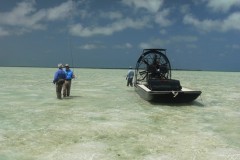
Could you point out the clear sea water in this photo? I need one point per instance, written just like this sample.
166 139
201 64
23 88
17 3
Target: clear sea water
103 119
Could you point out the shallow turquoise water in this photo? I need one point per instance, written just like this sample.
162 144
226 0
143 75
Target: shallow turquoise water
104 119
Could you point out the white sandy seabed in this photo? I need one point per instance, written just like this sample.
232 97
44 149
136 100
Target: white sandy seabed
104 119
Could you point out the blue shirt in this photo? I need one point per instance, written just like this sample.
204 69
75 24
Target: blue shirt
60 74
130 74
69 74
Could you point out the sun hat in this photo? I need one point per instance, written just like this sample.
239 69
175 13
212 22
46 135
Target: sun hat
60 65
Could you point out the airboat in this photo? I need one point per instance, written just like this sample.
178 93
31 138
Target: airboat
153 79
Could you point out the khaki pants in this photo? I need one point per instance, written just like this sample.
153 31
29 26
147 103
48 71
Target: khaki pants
66 88
59 90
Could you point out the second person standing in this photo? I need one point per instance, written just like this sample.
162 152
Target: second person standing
68 81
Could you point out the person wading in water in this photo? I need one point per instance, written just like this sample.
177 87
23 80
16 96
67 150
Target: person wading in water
59 79
68 81
130 76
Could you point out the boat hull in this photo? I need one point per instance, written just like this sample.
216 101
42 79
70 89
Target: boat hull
183 96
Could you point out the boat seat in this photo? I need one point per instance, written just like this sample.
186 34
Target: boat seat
164 85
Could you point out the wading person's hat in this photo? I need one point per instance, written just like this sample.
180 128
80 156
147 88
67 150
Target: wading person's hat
67 65
60 65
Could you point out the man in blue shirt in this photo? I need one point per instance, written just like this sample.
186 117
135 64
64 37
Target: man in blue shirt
68 81
59 79
130 76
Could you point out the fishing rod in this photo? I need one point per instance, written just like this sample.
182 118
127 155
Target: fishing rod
71 52
70 37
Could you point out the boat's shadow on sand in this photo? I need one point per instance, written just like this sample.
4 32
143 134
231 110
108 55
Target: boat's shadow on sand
194 103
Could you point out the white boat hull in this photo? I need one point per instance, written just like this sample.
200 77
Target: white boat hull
184 95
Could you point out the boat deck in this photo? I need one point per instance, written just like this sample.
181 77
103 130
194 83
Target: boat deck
148 90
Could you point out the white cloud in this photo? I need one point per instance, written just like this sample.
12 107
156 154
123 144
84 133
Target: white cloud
192 46
222 5
154 7
205 25
3 32
119 23
60 12
185 38
156 42
184 8
163 31
24 17
124 46
79 30
161 18
88 46
111 15
144 45
128 45
150 5
234 46
21 16
232 22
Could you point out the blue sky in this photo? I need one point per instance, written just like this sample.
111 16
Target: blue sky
198 34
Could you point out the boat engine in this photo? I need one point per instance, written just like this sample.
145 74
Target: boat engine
153 69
